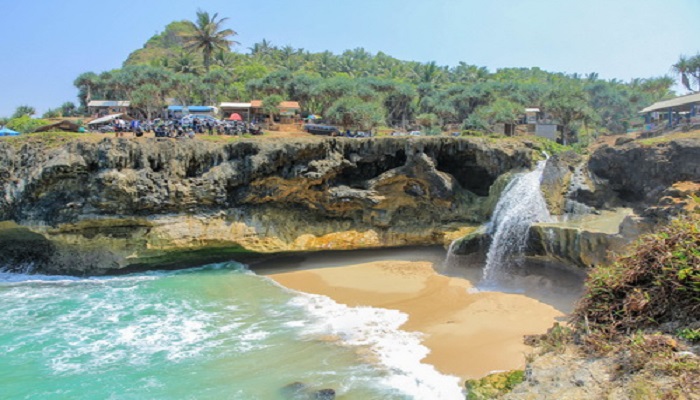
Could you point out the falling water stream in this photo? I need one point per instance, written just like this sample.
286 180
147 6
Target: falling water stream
520 205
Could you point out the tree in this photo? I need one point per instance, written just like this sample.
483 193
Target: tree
149 97
427 121
68 109
209 36
185 63
24 110
569 104
271 106
688 69
52 113
86 83
355 112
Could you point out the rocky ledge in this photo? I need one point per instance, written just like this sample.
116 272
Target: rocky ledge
119 203
602 203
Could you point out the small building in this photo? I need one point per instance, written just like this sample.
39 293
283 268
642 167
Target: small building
100 108
672 112
288 111
540 124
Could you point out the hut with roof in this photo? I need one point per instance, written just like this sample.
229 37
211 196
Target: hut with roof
289 111
670 113
100 108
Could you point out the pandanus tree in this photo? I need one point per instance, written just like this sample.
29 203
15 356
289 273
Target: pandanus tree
688 68
208 36
87 83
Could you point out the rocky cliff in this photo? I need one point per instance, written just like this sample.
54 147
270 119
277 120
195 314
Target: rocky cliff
92 207
602 203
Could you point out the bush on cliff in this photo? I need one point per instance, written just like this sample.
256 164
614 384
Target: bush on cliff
638 313
657 284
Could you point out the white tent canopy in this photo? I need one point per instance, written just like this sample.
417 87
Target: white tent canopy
234 105
105 119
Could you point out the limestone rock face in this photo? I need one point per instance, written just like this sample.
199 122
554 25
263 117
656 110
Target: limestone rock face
587 241
639 174
124 203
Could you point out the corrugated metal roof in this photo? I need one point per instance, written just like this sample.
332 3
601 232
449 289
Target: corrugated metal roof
109 103
677 102
284 104
235 105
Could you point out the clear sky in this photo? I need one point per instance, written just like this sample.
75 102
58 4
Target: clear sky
46 44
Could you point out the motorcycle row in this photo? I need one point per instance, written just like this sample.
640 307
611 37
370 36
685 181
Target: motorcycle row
175 129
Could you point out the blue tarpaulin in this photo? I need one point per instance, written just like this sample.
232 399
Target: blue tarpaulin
191 109
8 132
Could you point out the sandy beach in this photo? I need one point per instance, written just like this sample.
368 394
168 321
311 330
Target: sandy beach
469 333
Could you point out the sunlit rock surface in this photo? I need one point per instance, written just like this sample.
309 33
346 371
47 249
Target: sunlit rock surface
120 203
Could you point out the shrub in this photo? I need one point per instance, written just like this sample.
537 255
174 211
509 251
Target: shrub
493 385
658 282
25 124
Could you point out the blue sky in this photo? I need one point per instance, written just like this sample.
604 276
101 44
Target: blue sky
46 44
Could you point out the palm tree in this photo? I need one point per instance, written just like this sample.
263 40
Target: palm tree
681 68
207 36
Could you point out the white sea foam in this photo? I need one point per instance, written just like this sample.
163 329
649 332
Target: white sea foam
106 322
396 351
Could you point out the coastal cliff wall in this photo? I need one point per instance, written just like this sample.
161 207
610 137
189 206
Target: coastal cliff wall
619 193
91 207
602 203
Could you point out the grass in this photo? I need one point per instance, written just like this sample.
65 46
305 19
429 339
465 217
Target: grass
667 138
493 385
50 139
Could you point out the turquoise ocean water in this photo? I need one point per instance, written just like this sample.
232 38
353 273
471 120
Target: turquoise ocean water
214 332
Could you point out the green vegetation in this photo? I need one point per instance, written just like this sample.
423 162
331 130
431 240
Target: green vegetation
688 70
639 315
24 111
49 140
658 283
667 138
208 36
25 123
383 90
493 385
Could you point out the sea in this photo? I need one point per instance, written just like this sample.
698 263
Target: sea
218 331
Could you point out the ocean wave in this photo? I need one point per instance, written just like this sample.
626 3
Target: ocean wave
25 274
397 352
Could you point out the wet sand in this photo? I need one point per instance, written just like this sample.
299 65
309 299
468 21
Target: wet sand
469 333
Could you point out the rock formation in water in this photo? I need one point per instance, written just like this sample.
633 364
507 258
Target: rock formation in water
94 207
607 200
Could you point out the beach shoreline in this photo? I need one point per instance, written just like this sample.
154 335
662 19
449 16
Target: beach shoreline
469 333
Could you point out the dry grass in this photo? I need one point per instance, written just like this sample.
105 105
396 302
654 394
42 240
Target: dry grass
658 283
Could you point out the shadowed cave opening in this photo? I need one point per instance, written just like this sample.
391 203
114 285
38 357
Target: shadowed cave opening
470 176
369 169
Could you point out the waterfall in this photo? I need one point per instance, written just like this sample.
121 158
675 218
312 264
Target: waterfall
520 205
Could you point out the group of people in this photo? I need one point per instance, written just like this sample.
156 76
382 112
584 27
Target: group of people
178 128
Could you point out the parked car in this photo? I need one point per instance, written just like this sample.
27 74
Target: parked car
317 129
415 133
